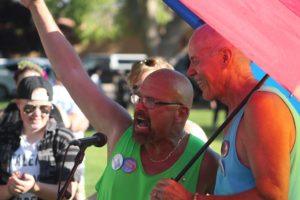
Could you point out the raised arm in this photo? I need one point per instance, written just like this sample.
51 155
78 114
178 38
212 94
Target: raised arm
105 115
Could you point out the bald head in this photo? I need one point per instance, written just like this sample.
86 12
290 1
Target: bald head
169 85
206 39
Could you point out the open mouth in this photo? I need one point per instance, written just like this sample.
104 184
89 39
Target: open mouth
141 122
200 83
142 128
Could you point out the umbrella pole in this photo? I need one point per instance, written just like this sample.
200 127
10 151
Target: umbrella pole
218 131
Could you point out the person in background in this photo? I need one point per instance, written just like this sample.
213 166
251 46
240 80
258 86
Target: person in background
123 91
96 75
27 68
76 122
140 70
261 147
32 149
10 114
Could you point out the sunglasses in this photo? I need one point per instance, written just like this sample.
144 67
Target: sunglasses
29 108
148 62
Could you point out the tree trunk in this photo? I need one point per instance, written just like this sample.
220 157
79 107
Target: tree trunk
175 38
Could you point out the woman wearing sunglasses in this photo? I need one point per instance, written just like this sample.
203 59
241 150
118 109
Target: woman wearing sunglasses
32 149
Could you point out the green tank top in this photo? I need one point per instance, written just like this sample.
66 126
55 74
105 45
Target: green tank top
128 180
294 184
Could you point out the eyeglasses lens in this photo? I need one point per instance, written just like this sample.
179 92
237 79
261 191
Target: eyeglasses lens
134 99
147 101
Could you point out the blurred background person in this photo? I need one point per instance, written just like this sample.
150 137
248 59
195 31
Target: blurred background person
11 112
75 121
32 149
96 74
140 70
123 90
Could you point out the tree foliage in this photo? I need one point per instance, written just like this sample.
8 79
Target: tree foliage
94 19
94 22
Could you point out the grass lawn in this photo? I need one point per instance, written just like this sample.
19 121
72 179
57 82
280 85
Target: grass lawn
95 158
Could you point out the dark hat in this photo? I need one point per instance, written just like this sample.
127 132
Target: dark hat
28 86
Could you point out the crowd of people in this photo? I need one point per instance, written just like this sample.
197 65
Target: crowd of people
146 151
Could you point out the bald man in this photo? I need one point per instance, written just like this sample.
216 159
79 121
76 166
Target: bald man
261 147
141 150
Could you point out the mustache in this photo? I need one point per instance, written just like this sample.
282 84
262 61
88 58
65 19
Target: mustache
140 113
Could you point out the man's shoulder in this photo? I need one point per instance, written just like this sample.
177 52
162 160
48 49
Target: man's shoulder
265 101
264 110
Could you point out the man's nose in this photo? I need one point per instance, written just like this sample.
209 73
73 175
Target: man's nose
139 105
191 71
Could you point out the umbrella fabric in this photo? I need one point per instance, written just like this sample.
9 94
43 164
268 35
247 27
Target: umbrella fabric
268 32
193 20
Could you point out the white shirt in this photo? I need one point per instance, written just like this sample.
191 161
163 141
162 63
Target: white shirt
25 160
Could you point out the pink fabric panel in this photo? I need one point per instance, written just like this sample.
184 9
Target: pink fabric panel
267 31
293 5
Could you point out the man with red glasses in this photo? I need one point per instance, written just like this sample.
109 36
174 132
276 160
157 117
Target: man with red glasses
141 150
33 148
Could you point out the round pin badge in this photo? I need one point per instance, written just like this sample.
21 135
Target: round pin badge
225 148
129 165
117 161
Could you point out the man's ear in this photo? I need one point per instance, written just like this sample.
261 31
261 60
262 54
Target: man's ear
182 113
226 56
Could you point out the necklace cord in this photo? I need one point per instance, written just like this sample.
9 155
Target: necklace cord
171 152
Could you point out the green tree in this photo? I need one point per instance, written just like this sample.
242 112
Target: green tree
156 26
94 19
159 29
